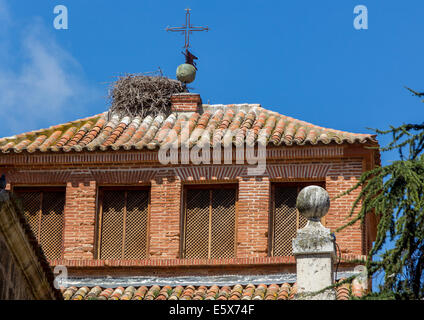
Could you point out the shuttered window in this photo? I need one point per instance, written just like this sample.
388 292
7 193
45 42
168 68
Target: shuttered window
43 211
285 218
123 224
210 222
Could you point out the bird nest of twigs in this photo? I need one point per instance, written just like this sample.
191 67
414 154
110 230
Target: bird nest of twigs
143 94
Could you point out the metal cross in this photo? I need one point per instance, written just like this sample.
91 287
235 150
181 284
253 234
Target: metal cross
187 29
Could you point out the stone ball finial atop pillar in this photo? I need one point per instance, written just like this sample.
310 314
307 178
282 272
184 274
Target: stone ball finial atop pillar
314 247
313 202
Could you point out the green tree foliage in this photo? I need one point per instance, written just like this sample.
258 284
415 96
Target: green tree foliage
395 194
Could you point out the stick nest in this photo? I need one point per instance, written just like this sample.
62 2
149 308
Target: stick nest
142 94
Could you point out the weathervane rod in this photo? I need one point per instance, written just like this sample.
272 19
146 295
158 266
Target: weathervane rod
186 72
187 29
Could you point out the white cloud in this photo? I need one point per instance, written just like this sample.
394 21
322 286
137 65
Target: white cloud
40 82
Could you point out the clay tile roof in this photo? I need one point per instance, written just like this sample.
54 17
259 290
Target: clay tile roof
223 124
283 291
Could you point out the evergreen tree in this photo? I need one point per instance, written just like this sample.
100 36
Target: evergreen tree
395 194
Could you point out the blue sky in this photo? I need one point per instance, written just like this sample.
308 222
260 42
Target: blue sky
301 58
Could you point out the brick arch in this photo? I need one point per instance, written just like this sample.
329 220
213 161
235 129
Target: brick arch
300 171
210 173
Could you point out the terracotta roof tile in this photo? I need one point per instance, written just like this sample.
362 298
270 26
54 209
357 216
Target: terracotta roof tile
283 291
105 294
217 124
140 293
94 293
357 289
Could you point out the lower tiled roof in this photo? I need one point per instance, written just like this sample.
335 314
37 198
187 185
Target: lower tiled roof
216 124
283 291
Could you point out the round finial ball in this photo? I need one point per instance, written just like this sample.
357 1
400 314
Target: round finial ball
186 73
313 202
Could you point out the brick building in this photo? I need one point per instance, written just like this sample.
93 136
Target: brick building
127 226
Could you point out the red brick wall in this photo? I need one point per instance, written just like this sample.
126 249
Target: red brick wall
165 216
80 219
186 102
342 176
165 208
253 215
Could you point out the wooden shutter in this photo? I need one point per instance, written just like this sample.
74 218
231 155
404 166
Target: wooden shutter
112 224
123 224
223 223
136 225
210 218
286 220
43 211
197 224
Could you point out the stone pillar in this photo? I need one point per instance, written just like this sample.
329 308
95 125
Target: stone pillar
314 247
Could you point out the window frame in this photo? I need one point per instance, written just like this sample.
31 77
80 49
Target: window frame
99 219
183 215
300 185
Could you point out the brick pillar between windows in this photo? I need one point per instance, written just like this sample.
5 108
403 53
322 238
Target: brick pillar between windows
253 213
165 213
341 177
80 220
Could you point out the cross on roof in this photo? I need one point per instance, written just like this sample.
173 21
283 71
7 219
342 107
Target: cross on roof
187 29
